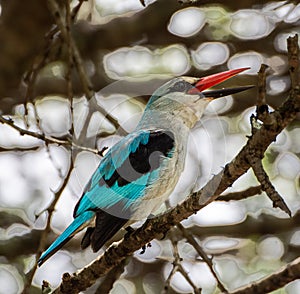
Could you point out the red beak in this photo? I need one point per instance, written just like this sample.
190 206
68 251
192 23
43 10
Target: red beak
209 81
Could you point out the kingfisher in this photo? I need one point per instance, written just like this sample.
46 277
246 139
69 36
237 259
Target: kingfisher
138 173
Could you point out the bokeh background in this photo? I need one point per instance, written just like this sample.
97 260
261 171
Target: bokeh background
127 51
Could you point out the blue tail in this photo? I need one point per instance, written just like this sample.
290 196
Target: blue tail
78 224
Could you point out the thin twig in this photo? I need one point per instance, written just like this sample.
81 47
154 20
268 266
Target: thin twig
19 149
85 81
177 267
47 230
70 65
168 280
267 186
189 237
48 139
38 63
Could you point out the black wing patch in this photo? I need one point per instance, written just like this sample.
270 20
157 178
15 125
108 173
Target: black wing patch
146 158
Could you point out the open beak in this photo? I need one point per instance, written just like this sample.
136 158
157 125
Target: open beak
212 80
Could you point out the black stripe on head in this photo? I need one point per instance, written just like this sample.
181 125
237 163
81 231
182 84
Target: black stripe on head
146 158
181 86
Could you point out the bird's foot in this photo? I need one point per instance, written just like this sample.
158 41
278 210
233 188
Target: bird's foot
144 248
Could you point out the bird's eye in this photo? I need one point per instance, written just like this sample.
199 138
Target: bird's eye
180 86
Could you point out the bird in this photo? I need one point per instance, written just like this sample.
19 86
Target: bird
137 174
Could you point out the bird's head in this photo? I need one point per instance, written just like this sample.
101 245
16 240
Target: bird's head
186 98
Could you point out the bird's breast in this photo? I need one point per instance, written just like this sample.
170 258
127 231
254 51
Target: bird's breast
163 183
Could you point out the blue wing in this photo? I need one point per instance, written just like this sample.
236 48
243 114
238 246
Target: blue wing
119 181
126 170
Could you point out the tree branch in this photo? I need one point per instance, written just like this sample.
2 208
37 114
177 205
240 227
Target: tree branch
267 186
275 281
251 191
109 280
